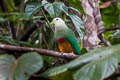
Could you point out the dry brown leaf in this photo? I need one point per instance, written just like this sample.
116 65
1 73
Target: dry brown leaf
106 4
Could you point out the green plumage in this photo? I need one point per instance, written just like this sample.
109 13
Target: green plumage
72 39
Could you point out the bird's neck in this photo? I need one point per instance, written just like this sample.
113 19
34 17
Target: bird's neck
60 31
60 28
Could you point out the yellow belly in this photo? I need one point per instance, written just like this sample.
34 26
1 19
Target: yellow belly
65 47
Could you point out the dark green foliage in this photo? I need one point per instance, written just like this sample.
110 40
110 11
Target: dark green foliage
32 8
111 15
76 4
94 65
78 24
20 69
116 34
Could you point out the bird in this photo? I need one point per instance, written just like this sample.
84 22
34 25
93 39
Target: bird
65 37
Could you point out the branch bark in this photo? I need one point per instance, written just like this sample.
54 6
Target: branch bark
109 29
41 51
91 39
93 24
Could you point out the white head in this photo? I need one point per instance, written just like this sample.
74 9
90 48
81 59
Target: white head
59 23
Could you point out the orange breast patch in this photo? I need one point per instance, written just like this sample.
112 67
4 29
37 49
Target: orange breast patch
65 47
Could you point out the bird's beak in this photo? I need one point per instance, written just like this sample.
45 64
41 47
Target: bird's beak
52 23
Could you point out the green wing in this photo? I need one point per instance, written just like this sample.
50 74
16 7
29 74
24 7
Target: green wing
72 39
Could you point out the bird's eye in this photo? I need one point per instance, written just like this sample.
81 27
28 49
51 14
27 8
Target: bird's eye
56 19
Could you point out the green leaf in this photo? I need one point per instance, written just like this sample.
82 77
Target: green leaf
44 2
74 9
6 67
78 24
76 4
25 1
98 61
111 15
116 34
10 5
20 69
118 4
32 8
16 17
12 16
98 70
55 8
58 73
9 40
28 64
51 10
3 19
61 6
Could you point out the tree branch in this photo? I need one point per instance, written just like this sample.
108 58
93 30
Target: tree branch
109 29
107 43
41 51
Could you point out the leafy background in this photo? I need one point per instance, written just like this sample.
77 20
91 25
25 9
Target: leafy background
26 23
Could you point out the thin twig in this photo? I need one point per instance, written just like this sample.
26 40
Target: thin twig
106 42
18 30
41 51
22 5
42 11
